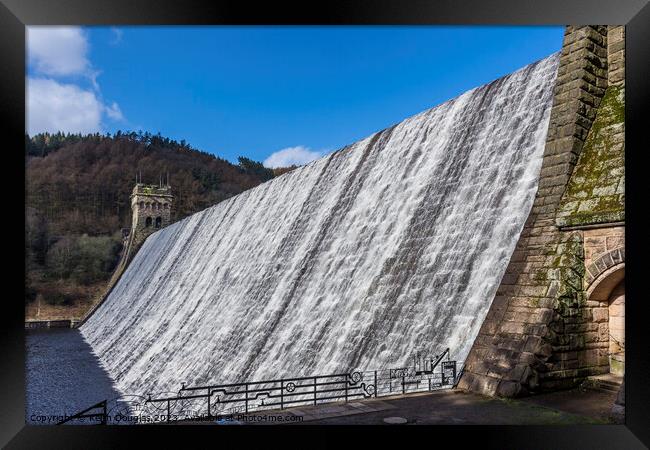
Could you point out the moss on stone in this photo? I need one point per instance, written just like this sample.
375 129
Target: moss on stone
569 264
541 275
595 192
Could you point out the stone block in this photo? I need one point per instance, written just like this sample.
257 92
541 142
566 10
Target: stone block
508 389
588 357
607 260
603 331
591 336
600 314
478 383
536 330
616 324
614 242
617 46
509 278
575 327
616 309
599 344
533 291
489 327
600 265
570 355
533 344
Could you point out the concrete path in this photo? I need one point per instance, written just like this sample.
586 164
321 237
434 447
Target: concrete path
453 407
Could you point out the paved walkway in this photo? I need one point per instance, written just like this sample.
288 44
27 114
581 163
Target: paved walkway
455 407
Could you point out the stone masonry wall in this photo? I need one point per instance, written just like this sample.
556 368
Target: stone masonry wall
532 337
581 344
616 55
596 191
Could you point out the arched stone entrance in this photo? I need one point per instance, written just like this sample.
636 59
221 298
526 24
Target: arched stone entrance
606 294
617 330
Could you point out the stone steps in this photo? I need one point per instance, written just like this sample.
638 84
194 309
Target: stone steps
604 383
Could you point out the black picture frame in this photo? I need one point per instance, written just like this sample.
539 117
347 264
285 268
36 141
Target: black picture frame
635 14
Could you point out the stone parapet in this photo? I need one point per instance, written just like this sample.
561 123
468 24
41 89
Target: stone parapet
616 55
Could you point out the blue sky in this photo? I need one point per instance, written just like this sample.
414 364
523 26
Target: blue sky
275 94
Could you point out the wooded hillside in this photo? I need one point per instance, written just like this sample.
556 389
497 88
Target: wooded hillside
77 202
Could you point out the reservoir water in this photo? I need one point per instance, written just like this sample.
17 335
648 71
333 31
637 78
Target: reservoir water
62 376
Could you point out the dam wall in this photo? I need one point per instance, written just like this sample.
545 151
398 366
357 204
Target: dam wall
492 225
392 246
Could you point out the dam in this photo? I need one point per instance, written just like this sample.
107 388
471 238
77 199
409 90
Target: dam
392 245
491 224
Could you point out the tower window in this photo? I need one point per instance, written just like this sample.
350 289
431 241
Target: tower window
147 223
158 222
141 205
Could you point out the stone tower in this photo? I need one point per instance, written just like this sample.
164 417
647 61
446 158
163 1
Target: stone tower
151 206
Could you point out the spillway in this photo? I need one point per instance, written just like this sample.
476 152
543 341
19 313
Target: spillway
392 245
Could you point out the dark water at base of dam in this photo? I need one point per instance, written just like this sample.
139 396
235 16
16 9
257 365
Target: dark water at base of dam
62 376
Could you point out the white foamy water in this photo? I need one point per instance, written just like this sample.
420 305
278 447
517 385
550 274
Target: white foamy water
392 245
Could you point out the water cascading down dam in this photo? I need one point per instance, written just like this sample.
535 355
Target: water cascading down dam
391 245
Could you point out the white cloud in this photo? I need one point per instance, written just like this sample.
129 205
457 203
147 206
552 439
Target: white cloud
53 107
292 156
58 51
114 112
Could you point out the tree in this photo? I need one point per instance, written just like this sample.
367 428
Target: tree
255 168
61 257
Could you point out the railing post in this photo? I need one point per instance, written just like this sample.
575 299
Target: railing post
346 388
168 409
246 399
104 414
376 387
282 394
209 412
315 390
403 385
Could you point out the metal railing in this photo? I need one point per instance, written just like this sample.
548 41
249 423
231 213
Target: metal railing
245 397
220 400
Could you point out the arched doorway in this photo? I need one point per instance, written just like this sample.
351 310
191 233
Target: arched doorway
607 295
